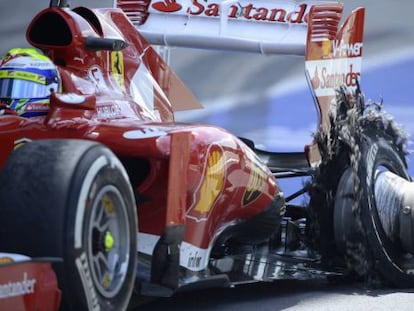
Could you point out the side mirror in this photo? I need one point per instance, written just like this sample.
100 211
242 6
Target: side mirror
106 44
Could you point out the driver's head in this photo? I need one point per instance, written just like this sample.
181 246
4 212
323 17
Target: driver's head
27 78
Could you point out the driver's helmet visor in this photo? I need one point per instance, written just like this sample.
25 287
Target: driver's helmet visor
22 84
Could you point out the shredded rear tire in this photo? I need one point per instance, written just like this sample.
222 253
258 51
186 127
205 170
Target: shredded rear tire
343 182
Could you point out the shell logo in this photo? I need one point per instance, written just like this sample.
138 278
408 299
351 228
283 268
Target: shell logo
326 48
257 182
213 182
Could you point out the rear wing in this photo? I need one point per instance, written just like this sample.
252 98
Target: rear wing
259 26
333 53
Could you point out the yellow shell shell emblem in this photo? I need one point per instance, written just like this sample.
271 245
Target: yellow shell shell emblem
213 182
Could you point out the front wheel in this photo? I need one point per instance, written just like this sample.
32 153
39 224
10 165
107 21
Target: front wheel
72 199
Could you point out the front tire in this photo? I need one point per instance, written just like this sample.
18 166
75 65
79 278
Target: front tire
72 199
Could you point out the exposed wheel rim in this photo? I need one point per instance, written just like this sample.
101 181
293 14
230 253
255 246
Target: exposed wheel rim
383 223
108 241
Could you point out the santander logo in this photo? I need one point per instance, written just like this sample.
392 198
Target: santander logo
167 6
262 11
327 76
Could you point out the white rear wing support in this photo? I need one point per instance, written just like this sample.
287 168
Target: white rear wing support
259 26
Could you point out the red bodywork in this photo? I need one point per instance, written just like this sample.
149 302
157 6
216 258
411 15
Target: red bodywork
200 177
28 285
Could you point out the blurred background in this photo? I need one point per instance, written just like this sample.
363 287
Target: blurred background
266 98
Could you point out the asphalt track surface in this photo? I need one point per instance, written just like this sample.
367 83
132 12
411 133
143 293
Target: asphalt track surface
266 98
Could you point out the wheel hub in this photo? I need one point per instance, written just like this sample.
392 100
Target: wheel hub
394 196
108 241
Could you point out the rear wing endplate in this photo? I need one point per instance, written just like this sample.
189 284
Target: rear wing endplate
333 54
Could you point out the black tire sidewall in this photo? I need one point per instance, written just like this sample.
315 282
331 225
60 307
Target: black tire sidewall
80 273
375 152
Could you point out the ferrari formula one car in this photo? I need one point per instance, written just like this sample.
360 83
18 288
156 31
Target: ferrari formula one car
136 203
